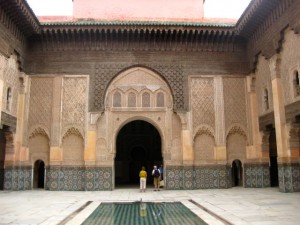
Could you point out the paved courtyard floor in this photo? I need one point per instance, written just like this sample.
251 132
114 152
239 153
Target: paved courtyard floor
226 206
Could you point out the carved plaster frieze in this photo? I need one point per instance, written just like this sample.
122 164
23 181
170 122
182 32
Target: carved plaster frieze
106 73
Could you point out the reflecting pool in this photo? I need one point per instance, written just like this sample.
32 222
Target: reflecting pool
143 213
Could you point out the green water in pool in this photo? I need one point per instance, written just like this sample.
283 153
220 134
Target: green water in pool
143 213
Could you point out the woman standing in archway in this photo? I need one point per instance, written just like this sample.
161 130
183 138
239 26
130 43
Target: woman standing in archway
143 179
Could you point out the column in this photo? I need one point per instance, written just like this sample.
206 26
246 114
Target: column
279 110
256 167
187 148
1 97
90 149
254 151
56 154
220 149
21 152
285 167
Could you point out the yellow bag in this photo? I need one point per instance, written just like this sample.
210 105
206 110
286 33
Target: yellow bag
162 183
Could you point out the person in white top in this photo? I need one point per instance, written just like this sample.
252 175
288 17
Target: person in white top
156 178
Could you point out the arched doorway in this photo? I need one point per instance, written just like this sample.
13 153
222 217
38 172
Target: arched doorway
273 157
39 174
237 173
138 144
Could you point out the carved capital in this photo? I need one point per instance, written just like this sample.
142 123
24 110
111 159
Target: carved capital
274 63
251 83
94 117
183 119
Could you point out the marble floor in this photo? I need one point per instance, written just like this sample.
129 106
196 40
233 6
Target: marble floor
238 205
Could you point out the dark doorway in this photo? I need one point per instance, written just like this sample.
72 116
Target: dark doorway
273 157
2 157
237 173
39 174
138 144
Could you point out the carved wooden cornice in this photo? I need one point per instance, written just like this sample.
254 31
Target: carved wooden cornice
163 36
137 36
265 29
17 14
255 14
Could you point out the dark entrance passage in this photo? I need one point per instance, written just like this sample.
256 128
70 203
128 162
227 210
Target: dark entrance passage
273 157
237 173
2 157
138 144
39 174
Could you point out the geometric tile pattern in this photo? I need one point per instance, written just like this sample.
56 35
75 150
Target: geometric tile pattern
289 177
177 177
200 177
78 178
1 178
61 178
98 178
256 175
18 178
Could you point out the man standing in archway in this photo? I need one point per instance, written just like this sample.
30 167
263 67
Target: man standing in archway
156 177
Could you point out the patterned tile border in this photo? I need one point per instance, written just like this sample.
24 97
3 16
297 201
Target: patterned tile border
72 178
78 178
1 178
18 178
289 177
256 175
197 177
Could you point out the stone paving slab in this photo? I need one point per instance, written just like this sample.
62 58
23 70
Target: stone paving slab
239 206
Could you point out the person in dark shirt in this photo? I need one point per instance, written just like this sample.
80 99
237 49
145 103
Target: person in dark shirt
156 177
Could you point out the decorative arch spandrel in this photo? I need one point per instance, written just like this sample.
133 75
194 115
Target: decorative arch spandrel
138 81
236 143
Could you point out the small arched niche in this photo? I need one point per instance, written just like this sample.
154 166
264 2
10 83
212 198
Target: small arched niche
138 88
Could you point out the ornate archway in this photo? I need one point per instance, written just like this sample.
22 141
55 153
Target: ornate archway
138 144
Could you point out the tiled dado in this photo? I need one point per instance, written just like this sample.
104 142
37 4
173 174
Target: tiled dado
61 178
289 177
78 178
256 175
1 178
197 177
18 178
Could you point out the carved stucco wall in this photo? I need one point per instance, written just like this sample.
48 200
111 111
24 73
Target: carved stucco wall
202 102
203 113
235 103
39 146
74 108
203 117
138 81
73 148
40 105
105 73
73 114
290 62
235 108
9 73
236 146
263 81
204 149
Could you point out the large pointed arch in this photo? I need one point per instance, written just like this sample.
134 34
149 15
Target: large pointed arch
138 143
